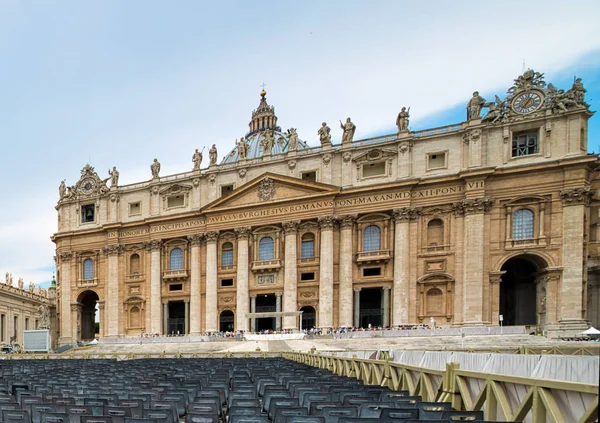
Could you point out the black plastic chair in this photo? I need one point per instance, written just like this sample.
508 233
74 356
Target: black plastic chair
202 418
398 415
248 419
333 414
281 413
16 416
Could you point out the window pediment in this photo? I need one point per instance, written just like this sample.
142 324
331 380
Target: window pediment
176 189
374 155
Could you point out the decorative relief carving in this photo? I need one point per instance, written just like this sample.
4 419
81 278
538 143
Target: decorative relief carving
226 299
195 239
291 227
407 213
292 165
403 147
196 182
347 221
472 136
266 189
113 250
327 159
65 256
212 236
243 233
307 294
347 157
265 280
114 198
326 222
154 244
155 190
212 178
472 206
242 173
575 196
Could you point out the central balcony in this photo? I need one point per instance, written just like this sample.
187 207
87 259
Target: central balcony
375 256
173 275
266 265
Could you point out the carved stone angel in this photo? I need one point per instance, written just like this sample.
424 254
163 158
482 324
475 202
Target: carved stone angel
496 110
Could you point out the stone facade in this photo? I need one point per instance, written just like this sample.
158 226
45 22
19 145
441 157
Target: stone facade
458 225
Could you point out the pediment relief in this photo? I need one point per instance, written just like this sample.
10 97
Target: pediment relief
435 278
270 188
176 189
528 199
375 155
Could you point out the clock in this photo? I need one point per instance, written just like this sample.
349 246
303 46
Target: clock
87 186
527 102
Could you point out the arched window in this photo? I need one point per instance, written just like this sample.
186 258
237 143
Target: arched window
266 249
227 254
434 302
88 269
435 233
308 245
134 264
372 238
176 259
523 224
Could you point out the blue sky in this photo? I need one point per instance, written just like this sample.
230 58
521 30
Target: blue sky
117 83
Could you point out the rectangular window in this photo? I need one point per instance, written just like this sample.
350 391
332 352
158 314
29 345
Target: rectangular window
226 190
175 201
373 169
88 213
525 143
436 161
309 176
372 271
227 258
308 249
309 276
135 209
226 282
176 287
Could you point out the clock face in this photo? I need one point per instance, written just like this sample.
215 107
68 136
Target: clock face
88 186
527 102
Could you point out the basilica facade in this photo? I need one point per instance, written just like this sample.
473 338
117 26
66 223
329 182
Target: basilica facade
490 219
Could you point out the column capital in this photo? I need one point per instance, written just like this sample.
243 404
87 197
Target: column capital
152 245
386 288
496 277
326 222
253 296
403 214
212 236
113 250
576 196
65 256
357 289
472 206
278 294
195 239
290 227
347 221
243 232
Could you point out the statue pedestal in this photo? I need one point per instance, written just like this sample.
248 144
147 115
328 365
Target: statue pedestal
403 134
326 146
292 153
474 122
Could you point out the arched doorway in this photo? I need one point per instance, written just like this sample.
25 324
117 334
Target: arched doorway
309 320
518 299
90 315
226 321
371 309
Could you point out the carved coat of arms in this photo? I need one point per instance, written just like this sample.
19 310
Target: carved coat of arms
266 189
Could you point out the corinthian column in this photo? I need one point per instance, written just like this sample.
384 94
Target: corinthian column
242 298
112 253
195 271
400 294
155 291
290 278
326 224
473 277
211 281
345 290
65 299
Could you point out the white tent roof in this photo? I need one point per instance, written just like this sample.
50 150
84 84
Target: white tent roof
591 331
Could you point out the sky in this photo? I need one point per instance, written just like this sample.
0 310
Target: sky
118 83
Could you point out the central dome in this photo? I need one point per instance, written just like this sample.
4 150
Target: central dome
264 138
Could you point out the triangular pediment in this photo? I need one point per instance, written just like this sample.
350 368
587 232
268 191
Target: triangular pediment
271 188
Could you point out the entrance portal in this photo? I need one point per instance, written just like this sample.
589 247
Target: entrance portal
371 311
226 321
176 318
89 307
309 320
518 302
265 304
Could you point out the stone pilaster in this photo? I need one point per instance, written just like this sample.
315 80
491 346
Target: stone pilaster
66 336
345 269
326 224
386 305
165 317
195 272
211 281
242 299
155 285
112 253
76 321
495 280
473 278
253 310
290 281
401 297
472 139
356 313
278 310
186 320
571 314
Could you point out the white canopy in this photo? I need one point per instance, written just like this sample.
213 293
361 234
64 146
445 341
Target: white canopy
591 331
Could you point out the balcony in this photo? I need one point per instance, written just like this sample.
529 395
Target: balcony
173 275
228 268
265 265
309 259
87 283
525 243
134 277
375 256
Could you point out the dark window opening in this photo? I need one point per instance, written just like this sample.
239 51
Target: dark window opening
310 276
309 176
226 190
176 287
88 213
226 282
525 143
372 271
